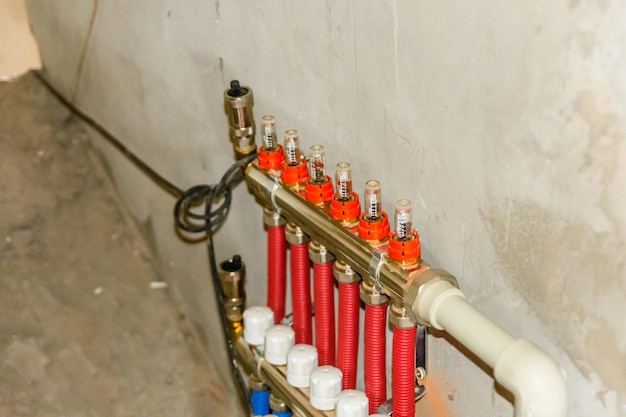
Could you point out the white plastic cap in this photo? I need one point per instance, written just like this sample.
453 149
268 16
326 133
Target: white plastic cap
278 340
351 403
325 385
301 360
256 320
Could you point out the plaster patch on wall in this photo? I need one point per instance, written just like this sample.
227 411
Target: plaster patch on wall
570 276
605 156
601 125
586 42
606 357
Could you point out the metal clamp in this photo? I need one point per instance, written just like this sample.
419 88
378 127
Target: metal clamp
377 262
272 192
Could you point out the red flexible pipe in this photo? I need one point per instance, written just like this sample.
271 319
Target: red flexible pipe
403 372
375 368
301 293
276 271
348 334
323 293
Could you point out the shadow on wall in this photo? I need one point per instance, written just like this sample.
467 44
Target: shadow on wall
500 390
18 49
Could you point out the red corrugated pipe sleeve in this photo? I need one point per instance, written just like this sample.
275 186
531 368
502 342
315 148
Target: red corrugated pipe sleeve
348 334
276 271
403 372
323 293
374 353
301 293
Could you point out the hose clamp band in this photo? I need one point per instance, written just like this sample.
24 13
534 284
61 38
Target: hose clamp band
271 189
377 262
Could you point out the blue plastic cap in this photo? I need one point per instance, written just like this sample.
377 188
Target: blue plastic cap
260 401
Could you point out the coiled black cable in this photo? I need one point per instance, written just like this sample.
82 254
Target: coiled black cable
191 222
184 218
208 223
212 219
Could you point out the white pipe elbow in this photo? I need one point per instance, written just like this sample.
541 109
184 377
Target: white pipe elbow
535 380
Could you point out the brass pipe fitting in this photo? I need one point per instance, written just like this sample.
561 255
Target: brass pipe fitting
272 218
399 317
420 279
256 384
318 253
238 102
295 235
245 355
344 273
276 404
232 275
370 295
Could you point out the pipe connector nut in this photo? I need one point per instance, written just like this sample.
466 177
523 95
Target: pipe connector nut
399 317
295 235
319 254
272 218
371 296
416 287
255 383
344 273
234 308
276 404
232 275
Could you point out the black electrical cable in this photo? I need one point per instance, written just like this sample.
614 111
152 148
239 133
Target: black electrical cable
213 218
155 176
184 218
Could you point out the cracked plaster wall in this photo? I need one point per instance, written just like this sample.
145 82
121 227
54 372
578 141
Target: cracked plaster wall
502 121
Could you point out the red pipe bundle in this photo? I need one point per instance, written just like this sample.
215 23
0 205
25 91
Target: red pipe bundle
301 293
348 334
276 271
375 344
323 292
403 372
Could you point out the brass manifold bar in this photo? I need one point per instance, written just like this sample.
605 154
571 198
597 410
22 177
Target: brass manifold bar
398 282
391 279
275 378
419 295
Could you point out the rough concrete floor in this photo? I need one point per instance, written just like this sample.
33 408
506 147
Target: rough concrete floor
81 331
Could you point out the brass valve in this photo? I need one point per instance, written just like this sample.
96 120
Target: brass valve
238 102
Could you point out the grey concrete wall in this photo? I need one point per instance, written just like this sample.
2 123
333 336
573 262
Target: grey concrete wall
502 121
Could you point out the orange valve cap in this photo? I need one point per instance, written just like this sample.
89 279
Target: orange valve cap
374 229
319 192
271 159
294 174
405 251
345 209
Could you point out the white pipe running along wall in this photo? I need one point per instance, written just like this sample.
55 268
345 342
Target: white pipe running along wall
535 380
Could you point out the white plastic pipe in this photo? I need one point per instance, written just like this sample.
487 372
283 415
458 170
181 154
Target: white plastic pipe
535 380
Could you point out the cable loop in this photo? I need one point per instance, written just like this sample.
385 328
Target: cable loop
214 214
